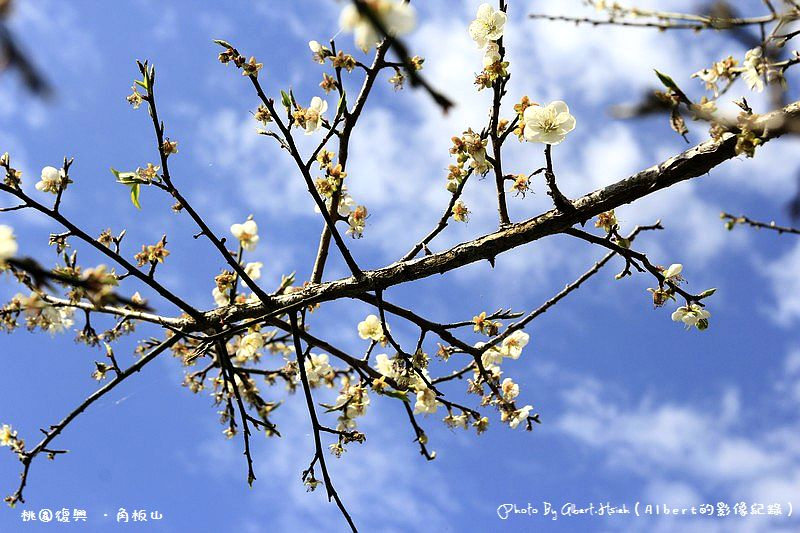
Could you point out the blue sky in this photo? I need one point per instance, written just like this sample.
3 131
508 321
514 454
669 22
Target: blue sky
634 408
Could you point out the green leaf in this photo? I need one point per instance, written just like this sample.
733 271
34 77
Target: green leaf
396 394
285 100
706 293
669 83
135 195
224 44
127 178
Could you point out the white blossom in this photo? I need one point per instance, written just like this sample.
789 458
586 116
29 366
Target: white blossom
491 54
396 17
250 345
220 298
519 416
247 233
370 328
385 366
549 124
513 344
253 270
7 435
487 26
51 181
693 316
426 402
313 114
491 357
317 367
753 60
510 389
58 319
8 243
673 271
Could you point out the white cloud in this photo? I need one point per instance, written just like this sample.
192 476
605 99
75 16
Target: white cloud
686 453
782 275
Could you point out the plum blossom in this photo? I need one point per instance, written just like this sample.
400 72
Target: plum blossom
247 233
8 243
519 416
549 124
371 328
385 366
693 316
313 114
317 367
249 346
491 54
220 298
510 389
487 26
753 61
253 270
426 402
397 18
52 180
513 344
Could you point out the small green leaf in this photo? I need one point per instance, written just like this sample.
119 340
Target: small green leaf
669 83
706 293
135 195
224 44
396 394
285 100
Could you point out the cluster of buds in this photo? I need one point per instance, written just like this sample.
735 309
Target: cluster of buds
470 150
460 211
320 54
148 173
352 402
494 67
399 77
334 175
97 285
169 147
746 142
39 314
609 223
250 67
135 99
8 437
485 326
332 188
100 371
310 118
153 253
13 177
719 70
263 115
670 278
519 109
328 83
521 184
224 284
